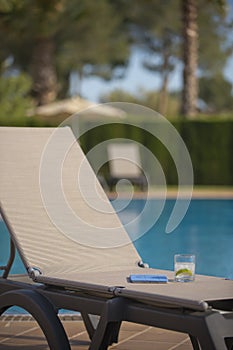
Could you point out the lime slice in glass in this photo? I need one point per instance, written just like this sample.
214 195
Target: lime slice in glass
184 272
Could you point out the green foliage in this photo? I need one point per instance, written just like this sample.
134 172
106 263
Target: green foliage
157 31
86 37
213 52
94 37
145 98
119 95
210 147
216 91
209 144
14 100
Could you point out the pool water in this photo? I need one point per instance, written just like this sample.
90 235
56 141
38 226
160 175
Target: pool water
206 231
18 266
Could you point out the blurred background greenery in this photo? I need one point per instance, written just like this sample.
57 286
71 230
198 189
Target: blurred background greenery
44 43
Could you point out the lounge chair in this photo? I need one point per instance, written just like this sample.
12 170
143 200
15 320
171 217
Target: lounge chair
79 256
125 163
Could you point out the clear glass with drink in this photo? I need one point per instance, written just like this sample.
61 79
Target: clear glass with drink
184 267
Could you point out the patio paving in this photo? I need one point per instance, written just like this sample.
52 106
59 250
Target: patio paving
25 334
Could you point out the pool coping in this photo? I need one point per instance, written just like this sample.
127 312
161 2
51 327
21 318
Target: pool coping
28 317
171 193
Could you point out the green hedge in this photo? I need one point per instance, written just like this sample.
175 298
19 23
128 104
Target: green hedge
210 146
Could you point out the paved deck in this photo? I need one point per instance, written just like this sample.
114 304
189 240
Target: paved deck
25 334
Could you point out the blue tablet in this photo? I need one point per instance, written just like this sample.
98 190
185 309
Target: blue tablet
148 278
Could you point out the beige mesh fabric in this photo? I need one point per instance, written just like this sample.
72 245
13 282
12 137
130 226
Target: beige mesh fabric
60 217
194 295
124 160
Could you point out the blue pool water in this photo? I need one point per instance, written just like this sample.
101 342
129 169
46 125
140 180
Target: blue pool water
206 231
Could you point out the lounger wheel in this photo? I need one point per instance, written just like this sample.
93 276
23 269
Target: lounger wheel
43 312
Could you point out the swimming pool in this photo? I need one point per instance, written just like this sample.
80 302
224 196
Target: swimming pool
206 231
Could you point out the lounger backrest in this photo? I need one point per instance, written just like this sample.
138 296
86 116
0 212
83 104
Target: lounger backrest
124 160
59 216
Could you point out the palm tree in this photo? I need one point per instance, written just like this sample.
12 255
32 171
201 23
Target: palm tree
189 10
190 58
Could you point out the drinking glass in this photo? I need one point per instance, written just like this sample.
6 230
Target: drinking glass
184 267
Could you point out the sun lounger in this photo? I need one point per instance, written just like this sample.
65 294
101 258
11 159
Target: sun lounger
78 256
125 163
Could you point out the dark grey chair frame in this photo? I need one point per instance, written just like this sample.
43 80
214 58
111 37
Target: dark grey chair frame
140 181
208 330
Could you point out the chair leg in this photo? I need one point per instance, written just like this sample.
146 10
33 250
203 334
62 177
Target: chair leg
216 332
229 343
115 332
43 312
109 325
208 343
194 342
106 334
89 324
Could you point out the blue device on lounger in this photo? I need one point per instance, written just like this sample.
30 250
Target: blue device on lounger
148 278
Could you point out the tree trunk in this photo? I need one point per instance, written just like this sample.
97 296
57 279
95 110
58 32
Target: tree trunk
44 77
163 96
190 58
163 93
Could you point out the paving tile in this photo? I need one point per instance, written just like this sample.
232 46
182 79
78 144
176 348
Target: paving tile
21 335
161 335
25 335
139 345
150 338
74 328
